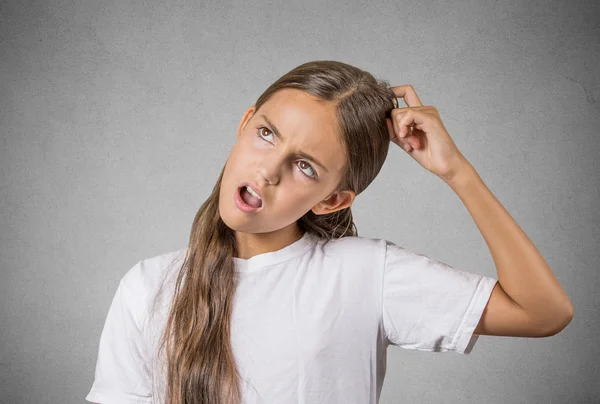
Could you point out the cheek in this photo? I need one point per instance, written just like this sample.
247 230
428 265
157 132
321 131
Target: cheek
249 148
298 198
241 154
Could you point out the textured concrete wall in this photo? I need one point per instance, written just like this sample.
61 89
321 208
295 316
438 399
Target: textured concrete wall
116 118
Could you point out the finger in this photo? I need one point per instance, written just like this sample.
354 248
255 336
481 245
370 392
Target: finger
410 136
407 122
408 93
394 120
391 129
396 114
395 138
395 117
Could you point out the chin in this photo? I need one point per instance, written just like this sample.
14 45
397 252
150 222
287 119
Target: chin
234 222
225 217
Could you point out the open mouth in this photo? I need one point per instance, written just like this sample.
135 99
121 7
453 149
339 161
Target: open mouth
247 202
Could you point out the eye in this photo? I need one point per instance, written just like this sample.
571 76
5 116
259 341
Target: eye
260 131
312 176
312 170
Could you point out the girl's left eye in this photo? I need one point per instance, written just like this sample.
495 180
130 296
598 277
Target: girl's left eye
312 170
260 130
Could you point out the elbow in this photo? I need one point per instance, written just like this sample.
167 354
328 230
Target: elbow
562 322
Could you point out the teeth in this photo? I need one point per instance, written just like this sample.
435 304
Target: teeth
252 192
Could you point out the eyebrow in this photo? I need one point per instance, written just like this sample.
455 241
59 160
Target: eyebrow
304 155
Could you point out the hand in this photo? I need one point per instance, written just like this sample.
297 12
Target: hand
420 132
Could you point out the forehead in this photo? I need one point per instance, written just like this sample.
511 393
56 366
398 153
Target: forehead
308 124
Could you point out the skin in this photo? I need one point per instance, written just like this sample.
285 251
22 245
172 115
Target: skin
307 125
527 300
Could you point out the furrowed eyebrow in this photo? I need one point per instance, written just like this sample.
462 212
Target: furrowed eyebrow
304 155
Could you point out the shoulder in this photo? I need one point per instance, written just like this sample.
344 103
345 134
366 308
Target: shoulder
370 250
355 242
142 284
355 247
147 273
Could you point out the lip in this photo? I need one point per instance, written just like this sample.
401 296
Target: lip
243 206
256 189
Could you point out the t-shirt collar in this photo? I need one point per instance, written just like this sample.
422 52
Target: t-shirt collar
288 252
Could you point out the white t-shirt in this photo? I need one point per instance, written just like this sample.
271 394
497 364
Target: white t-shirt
311 323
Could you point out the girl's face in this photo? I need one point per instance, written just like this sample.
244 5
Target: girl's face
295 172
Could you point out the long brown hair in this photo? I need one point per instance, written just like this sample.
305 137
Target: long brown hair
201 367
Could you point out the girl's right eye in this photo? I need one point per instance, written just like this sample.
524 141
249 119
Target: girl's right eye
312 176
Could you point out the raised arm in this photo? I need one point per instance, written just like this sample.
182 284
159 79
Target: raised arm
528 300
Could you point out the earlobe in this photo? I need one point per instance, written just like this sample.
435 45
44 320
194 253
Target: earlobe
334 202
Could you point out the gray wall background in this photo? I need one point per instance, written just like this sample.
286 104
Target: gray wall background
116 118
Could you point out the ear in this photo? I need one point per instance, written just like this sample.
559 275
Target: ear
247 115
336 201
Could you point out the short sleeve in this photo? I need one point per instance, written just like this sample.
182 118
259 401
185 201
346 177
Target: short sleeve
123 374
428 305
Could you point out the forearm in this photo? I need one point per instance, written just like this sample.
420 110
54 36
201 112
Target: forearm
522 271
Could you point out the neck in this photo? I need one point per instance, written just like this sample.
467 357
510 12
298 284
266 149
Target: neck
251 244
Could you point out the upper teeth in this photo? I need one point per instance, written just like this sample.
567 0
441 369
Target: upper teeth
252 192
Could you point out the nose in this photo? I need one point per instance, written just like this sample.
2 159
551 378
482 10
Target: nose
269 171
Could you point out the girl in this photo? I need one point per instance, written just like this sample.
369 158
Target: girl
277 299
